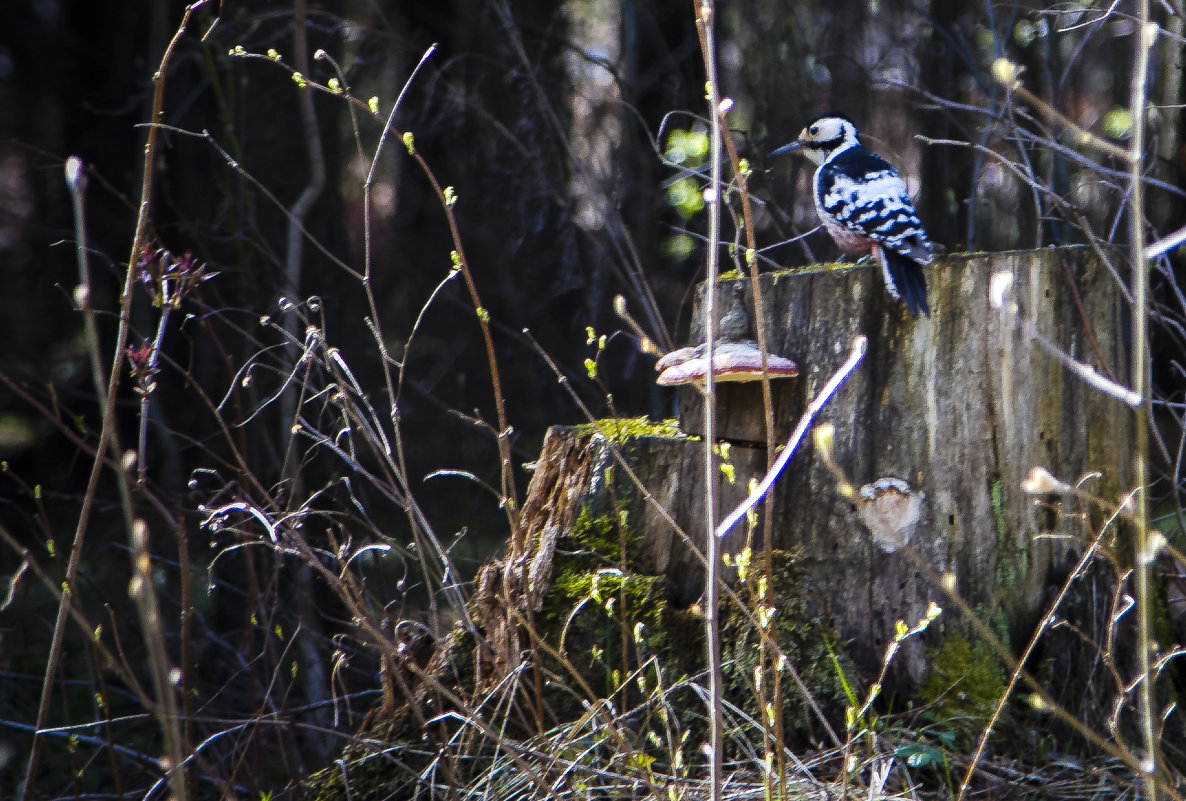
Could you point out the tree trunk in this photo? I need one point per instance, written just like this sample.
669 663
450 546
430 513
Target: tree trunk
960 407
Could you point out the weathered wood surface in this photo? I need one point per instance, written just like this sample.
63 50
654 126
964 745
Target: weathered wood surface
960 406
672 490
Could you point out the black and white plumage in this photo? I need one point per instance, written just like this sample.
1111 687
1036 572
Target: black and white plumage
863 203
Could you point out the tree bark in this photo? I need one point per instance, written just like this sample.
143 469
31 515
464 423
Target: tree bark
960 407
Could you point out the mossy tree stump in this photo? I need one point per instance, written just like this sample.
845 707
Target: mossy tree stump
960 406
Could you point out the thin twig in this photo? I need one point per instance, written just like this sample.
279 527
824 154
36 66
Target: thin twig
770 729
1007 74
999 286
107 435
1046 622
294 250
859 344
705 21
1166 244
1144 37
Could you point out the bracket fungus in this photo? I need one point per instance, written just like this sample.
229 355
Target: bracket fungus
890 508
734 357
731 361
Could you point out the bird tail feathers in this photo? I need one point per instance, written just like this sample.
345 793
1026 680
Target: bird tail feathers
905 280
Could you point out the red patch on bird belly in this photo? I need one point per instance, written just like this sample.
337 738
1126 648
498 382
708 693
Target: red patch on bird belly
849 242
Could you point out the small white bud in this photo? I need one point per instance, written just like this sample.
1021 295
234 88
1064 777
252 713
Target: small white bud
824 436
1152 29
1040 482
1007 73
1128 504
1154 543
75 176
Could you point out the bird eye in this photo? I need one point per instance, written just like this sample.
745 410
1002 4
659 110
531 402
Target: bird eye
813 130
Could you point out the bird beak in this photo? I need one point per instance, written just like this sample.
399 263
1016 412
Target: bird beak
791 148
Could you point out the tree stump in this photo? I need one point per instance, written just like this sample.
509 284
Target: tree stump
960 407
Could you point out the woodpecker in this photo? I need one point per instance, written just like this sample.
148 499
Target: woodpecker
862 201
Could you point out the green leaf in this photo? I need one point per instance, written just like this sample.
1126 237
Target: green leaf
1118 123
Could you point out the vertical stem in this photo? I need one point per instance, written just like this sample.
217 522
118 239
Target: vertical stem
1141 385
154 358
704 19
143 592
107 430
76 181
185 661
771 694
294 251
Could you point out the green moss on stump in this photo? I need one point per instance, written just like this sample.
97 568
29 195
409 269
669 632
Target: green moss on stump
609 619
620 430
807 641
963 686
597 606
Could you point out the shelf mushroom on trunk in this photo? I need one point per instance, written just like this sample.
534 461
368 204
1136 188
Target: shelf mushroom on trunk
734 357
731 361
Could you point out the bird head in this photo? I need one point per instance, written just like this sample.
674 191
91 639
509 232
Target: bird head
823 136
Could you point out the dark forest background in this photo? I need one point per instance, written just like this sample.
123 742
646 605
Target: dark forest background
557 125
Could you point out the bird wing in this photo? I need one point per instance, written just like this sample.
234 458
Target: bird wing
866 195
